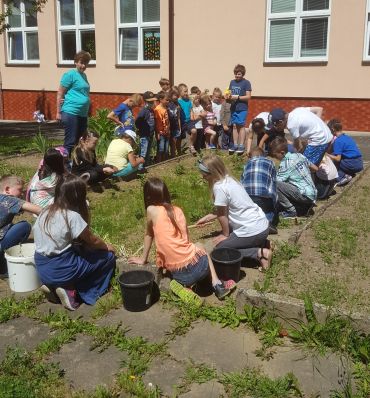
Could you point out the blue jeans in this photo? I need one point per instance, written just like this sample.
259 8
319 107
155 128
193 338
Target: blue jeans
145 146
17 233
192 273
162 144
349 166
74 127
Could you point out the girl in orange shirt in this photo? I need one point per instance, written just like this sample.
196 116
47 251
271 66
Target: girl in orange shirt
187 262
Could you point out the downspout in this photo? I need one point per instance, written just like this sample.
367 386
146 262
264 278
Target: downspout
1 98
171 55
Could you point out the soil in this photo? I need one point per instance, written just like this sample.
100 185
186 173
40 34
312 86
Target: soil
342 281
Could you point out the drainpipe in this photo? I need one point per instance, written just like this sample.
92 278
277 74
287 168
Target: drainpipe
171 55
1 98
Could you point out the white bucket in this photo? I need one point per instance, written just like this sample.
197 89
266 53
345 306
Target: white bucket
22 272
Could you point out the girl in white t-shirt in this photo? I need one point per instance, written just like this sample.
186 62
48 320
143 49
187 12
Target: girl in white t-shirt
244 225
71 272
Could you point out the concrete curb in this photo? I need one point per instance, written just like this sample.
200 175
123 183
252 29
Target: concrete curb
291 312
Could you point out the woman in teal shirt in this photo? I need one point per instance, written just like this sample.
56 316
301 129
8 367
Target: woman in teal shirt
73 101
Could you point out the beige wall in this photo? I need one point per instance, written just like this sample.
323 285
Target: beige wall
209 43
105 76
211 36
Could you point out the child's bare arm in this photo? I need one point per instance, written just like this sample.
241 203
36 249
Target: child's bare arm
31 208
112 116
263 140
94 241
135 160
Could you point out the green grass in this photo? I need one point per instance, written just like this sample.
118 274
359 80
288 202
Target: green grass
18 145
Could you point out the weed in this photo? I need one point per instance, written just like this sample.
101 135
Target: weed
41 143
280 261
111 300
179 169
11 308
252 382
254 317
135 386
22 376
195 374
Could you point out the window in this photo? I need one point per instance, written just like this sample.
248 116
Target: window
367 33
22 36
76 29
138 31
297 30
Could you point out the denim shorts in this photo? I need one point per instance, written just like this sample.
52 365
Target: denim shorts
238 118
192 273
162 144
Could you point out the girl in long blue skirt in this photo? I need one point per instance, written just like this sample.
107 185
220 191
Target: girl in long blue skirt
71 261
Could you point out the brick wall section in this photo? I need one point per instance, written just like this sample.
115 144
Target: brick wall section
354 113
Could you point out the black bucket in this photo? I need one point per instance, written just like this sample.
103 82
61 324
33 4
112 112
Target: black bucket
227 263
136 289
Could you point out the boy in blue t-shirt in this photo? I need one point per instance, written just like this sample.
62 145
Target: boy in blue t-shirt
187 125
345 153
123 116
145 124
240 93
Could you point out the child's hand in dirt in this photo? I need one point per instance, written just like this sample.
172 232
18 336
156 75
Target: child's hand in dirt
136 261
108 170
218 239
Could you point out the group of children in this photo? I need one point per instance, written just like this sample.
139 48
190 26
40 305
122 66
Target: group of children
281 178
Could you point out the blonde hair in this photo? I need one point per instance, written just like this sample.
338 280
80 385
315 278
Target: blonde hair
10 181
163 81
88 155
182 87
137 99
217 90
216 167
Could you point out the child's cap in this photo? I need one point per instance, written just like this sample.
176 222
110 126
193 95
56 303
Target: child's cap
148 96
130 134
276 115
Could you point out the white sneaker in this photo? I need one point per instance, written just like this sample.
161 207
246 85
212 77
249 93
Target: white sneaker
344 181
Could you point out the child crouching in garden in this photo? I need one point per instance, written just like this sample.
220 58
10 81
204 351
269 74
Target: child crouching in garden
84 160
120 154
66 269
187 262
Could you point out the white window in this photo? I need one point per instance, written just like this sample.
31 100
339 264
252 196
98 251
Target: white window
76 29
138 31
22 36
297 30
367 33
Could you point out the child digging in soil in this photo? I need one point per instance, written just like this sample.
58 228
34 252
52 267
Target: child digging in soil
188 263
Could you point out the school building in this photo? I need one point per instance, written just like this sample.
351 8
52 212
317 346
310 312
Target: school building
296 52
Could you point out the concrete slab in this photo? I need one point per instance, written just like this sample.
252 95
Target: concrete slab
86 369
83 311
225 349
211 389
317 375
23 332
152 324
166 374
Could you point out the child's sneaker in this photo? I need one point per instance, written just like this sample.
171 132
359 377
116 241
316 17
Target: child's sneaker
68 298
288 214
230 284
50 294
232 149
344 181
221 291
212 146
185 294
240 150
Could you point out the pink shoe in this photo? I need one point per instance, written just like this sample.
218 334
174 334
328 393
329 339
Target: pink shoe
68 298
230 284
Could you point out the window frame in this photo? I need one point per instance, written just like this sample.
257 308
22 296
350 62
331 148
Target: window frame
297 16
77 28
24 30
366 53
140 25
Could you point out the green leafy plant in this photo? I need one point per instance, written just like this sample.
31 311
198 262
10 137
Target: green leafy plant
41 143
104 127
